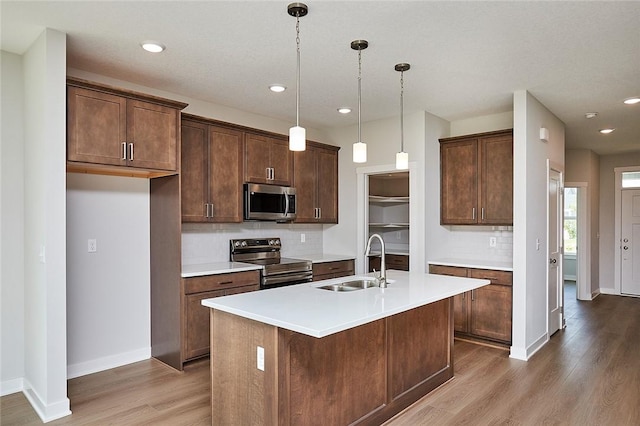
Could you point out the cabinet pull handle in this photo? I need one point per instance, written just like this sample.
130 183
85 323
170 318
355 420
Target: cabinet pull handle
206 210
130 152
463 295
268 173
226 282
473 213
482 211
473 295
273 173
124 150
319 212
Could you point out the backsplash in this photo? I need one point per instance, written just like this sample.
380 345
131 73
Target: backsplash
465 242
206 243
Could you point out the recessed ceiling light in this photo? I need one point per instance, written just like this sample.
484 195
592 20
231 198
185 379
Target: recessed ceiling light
344 110
591 115
277 88
606 131
152 46
632 101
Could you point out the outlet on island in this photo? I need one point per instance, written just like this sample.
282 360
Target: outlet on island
303 238
493 241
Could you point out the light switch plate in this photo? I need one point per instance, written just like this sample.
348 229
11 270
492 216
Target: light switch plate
92 245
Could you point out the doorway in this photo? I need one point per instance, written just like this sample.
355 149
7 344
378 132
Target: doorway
627 229
576 241
555 296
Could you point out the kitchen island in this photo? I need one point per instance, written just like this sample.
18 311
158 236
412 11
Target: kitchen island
304 355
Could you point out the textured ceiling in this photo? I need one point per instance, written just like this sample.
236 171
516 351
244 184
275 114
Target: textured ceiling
467 58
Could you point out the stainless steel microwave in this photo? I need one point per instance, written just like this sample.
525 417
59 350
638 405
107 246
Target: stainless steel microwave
269 202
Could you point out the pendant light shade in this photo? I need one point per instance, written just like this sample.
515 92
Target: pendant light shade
297 134
359 148
402 158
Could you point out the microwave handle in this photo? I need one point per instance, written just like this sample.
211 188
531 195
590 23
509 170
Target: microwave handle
286 204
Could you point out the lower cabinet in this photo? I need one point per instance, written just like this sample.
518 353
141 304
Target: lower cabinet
195 335
337 269
486 312
399 262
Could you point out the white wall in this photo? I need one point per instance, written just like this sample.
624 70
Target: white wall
530 220
108 292
44 222
607 219
485 123
11 226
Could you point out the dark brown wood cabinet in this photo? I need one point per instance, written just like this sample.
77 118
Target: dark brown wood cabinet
211 172
267 159
398 262
116 128
315 177
484 313
336 269
476 179
195 317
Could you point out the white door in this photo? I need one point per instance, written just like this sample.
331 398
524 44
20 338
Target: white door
630 242
554 238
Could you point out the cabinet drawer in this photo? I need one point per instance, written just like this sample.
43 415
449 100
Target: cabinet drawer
339 267
454 271
496 277
397 261
221 281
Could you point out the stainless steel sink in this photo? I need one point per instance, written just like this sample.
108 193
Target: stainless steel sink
350 285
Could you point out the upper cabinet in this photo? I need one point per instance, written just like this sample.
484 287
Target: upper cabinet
315 177
211 172
476 178
267 160
111 127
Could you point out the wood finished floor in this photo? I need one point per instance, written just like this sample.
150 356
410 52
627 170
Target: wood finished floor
588 374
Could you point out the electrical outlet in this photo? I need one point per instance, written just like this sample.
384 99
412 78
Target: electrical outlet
303 238
260 358
92 246
493 241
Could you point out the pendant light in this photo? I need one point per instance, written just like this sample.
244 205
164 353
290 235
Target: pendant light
297 134
359 148
402 158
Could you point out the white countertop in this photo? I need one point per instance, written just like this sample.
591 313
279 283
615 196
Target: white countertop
468 263
318 313
216 268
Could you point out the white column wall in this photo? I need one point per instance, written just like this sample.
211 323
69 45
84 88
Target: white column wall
12 226
45 235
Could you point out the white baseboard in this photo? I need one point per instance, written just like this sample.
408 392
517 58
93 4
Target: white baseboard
106 363
524 354
605 290
47 412
11 386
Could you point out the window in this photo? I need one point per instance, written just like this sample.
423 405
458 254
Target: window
631 179
570 220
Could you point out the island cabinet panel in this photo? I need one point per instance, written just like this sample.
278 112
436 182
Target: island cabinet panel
484 313
361 376
109 127
337 269
476 178
211 172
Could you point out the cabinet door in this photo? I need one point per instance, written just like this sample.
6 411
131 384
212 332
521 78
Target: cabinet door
305 181
460 301
491 308
496 188
397 261
281 162
459 182
256 159
96 127
152 135
194 172
196 333
225 174
327 182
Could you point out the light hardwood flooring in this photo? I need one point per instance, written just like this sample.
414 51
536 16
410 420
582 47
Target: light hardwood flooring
588 374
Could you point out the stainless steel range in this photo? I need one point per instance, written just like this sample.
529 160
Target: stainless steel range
276 271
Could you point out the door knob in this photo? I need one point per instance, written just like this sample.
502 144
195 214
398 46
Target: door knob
553 261
626 247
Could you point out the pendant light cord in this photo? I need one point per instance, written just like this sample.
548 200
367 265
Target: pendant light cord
359 92
402 111
297 70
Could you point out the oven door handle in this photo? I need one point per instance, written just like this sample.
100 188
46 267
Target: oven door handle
286 204
283 278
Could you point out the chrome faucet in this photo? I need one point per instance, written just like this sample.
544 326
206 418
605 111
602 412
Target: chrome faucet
382 281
